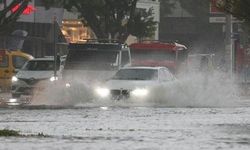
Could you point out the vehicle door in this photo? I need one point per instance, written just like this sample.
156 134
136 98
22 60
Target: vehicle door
5 72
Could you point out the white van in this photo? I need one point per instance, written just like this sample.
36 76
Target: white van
36 74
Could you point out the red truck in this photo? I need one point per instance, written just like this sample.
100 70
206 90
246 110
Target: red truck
156 53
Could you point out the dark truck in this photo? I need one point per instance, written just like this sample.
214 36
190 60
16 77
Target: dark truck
88 64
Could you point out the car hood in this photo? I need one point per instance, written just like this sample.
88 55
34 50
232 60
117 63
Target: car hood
130 84
34 74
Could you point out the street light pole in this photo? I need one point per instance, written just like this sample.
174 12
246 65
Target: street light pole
55 52
229 52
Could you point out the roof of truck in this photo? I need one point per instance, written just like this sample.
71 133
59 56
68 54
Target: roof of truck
156 45
98 46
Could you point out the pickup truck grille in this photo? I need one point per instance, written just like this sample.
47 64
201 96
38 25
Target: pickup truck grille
119 94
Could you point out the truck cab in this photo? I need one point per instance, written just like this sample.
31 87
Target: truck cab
90 64
94 61
156 53
10 63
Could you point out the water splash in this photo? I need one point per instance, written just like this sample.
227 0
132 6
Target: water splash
201 90
191 90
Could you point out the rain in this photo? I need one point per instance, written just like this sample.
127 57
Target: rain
131 74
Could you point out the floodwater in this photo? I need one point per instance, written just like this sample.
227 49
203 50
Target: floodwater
116 127
190 117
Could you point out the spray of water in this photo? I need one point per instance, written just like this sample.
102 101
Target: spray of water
190 90
201 90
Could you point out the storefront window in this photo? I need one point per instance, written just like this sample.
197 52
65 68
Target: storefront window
74 31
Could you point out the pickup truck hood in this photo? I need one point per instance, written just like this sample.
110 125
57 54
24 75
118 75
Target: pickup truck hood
130 84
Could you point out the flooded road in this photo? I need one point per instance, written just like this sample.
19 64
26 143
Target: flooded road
118 127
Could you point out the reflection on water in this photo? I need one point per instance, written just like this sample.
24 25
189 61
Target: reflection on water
117 127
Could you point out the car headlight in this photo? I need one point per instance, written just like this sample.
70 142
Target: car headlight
12 100
140 92
67 85
14 79
102 92
52 79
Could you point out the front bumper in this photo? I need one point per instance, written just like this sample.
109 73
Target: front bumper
16 101
127 94
120 94
21 87
114 94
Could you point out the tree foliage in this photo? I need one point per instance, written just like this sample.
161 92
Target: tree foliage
166 7
8 17
115 18
201 12
144 24
238 8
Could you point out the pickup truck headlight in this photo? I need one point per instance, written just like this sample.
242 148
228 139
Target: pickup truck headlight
14 79
102 92
140 92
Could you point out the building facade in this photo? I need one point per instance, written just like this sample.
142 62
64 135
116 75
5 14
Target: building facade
39 25
42 25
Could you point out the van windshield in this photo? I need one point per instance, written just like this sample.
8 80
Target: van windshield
40 65
93 60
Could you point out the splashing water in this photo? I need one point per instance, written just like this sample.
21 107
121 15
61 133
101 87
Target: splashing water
191 90
200 90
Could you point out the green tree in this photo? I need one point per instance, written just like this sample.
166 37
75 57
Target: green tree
115 18
8 17
201 13
166 7
144 24
238 8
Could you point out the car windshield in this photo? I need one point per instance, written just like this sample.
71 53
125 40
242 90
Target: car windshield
40 65
136 74
93 60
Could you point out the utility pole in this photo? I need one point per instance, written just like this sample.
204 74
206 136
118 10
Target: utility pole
55 51
229 51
